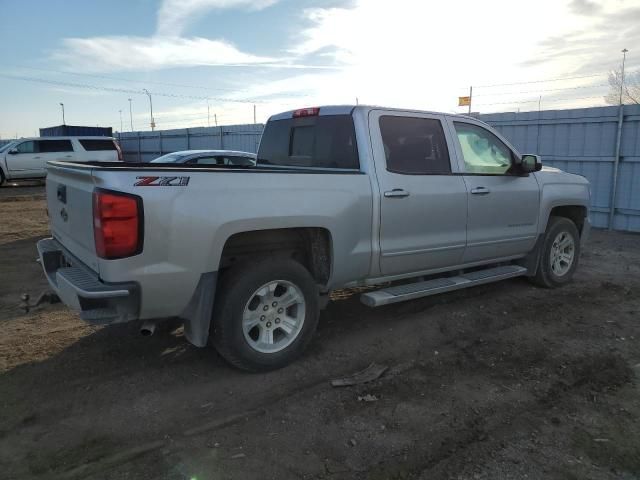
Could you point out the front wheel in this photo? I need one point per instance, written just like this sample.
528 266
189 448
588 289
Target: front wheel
559 256
265 314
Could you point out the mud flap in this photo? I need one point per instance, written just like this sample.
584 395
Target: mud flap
197 314
531 261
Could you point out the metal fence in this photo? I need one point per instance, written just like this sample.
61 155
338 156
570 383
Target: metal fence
145 146
581 141
584 141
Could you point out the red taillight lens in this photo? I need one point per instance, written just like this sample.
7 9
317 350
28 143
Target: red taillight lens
306 112
117 219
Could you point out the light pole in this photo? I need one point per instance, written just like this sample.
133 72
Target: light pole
624 57
130 115
120 120
153 124
208 116
62 105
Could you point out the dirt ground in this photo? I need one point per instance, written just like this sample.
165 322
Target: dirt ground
504 381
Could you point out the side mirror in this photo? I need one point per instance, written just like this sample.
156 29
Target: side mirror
530 163
13 151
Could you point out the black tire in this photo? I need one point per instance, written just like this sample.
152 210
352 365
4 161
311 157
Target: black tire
2 179
545 276
237 287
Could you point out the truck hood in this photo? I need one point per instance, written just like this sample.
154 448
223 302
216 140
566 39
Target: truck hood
555 175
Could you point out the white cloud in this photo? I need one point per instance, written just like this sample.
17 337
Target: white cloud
174 15
105 54
166 48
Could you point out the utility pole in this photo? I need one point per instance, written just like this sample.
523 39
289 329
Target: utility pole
130 115
215 118
120 119
153 124
62 105
208 115
616 160
470 98
254 113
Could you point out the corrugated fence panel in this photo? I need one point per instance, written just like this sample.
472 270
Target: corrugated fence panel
145 146
583 141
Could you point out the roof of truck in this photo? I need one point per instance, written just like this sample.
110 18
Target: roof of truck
348 109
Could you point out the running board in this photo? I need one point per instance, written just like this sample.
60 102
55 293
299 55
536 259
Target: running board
425 288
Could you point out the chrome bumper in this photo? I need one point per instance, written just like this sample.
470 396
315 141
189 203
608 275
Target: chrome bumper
81 289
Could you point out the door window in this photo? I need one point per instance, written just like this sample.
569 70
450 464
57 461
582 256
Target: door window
414 146
53 146
26 147
482 151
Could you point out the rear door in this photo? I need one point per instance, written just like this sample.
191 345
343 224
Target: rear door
503 204
423 205
51 150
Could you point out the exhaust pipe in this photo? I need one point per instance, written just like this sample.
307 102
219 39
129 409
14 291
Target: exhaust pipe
147 329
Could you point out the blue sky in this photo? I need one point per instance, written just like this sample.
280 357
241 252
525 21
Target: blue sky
283 54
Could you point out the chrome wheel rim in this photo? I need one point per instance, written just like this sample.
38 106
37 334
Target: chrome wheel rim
562 254
273 316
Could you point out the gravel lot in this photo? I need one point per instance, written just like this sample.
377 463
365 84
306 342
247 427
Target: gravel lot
503 381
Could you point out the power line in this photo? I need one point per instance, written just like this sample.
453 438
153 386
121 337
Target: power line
517 102
537 81
124 90
542 91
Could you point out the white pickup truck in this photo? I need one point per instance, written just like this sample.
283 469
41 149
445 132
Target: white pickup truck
341 196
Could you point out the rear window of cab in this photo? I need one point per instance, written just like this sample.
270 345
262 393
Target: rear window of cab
325 141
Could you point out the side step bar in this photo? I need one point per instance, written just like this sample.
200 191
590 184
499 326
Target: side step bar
425 288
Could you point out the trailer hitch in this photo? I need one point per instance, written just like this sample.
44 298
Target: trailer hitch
45 297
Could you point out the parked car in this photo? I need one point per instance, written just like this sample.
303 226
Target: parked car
346 196
27 158
209 157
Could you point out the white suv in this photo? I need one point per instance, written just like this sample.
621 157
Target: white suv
27 158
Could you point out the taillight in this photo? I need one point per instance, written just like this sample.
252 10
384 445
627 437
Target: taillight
119 150
117 224
306 112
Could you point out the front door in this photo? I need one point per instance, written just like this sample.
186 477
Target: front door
423 207
503 205
24 161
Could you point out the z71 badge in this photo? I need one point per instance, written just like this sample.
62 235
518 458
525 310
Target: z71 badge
161 182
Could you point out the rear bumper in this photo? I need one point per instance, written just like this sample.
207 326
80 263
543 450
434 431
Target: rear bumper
81 289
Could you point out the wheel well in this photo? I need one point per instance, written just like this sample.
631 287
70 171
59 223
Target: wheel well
309 246
575 213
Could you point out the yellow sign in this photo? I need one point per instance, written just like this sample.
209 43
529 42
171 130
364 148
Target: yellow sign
464 101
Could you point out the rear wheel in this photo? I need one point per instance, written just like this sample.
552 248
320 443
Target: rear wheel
1 177
560 251
265 314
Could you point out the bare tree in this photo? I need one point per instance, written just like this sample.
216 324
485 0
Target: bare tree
630 91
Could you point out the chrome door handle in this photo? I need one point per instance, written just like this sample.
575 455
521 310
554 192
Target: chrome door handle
480 191
396 193
68 156
36 157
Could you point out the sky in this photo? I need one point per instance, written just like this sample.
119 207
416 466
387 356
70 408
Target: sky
208 61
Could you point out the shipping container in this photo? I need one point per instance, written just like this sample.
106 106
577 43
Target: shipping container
76 131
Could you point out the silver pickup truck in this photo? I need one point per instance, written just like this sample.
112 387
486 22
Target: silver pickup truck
341 196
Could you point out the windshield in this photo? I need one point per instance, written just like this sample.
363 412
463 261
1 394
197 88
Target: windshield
169 158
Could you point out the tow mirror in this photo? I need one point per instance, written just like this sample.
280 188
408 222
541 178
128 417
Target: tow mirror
13 151
530 163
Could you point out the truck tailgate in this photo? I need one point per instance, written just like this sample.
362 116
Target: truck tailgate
70 207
